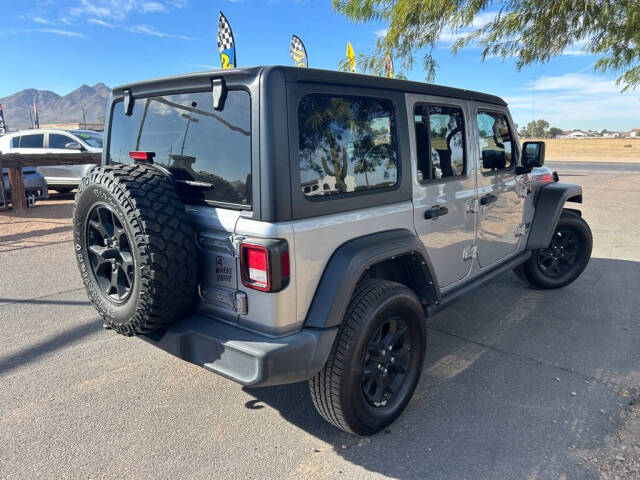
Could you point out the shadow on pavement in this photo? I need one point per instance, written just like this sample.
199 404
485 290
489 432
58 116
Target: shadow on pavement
42 301
51 344
33 234
518 383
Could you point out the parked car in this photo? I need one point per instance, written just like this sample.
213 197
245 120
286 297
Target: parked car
62 178
35 186
278 224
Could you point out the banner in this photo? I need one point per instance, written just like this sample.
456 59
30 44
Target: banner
3 126
226 44
351 56
36 122
388 66
298 52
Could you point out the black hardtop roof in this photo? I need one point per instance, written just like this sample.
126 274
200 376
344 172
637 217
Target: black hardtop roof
295 74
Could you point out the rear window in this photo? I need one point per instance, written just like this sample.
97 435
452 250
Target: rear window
208 152
28 141
346 144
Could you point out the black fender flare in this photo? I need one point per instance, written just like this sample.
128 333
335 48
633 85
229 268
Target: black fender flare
350 261
549 203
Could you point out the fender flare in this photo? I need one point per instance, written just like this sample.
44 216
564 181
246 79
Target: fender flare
350 261
550 201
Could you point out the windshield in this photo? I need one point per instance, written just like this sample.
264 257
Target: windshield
93 139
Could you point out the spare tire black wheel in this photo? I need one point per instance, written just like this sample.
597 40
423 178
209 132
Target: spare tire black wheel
135 247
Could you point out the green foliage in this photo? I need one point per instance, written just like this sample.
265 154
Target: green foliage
539 129
529 30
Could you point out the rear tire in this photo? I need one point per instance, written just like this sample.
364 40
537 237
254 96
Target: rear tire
566 257
135 248
376 361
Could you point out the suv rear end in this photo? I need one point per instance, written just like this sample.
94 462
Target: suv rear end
244 323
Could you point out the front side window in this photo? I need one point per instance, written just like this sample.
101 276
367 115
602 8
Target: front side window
15 142
346 144
439 141
32 141
496 142
59 141
207 151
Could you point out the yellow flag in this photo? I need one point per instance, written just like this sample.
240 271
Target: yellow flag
351 56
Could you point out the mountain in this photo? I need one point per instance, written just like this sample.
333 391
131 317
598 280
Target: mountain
53 108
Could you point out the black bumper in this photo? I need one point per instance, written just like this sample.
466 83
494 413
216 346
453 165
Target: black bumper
246 357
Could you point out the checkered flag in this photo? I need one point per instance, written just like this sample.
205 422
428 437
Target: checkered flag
225 36
298 52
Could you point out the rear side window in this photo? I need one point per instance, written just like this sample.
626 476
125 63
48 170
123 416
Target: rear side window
208 152
496 142
346 144
439 141
15 142
32 141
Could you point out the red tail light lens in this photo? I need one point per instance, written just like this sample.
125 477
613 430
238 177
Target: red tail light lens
255 267
264 265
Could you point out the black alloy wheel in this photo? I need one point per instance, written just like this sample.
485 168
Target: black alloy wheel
110 256
386 362
564 259
559 258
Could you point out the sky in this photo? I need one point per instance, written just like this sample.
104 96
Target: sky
59 45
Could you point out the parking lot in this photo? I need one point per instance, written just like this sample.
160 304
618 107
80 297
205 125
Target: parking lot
518 383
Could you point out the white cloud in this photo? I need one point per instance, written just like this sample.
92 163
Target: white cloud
120 10
41 21
148 30
577 100
381 33
64 33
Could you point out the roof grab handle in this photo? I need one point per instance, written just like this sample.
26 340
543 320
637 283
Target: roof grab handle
128 103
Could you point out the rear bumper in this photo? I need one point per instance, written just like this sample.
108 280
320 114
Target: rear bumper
246 357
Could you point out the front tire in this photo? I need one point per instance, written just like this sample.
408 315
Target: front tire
376 361
564 259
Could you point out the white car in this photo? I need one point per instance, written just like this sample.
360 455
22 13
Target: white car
62 178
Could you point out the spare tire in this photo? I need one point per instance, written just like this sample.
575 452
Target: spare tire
135 247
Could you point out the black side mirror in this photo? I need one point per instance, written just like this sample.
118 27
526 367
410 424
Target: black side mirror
532 154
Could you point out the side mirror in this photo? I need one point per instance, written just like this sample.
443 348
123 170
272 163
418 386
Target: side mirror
73 146
533 154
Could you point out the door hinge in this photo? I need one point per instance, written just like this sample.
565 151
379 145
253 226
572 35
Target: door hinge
521 230
470 252
523 186
471 205
236 241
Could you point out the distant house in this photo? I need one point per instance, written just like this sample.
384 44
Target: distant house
634 133
577 134
612 135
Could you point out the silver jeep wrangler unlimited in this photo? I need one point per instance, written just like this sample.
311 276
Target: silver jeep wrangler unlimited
278 224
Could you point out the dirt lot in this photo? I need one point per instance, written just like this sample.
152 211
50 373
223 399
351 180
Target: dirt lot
621 150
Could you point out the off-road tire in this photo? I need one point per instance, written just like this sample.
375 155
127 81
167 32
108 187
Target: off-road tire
337 390
162 244
531 270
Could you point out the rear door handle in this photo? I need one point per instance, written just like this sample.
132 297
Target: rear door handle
488 199
435 212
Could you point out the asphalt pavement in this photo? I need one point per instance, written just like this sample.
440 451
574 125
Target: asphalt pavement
518 383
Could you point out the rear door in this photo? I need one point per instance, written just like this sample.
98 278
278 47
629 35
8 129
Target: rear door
209 153
444 187
500 190
60 174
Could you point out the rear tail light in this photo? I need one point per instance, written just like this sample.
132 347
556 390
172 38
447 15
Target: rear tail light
265 266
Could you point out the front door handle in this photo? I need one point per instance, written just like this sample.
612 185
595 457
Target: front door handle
488 199
435 212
